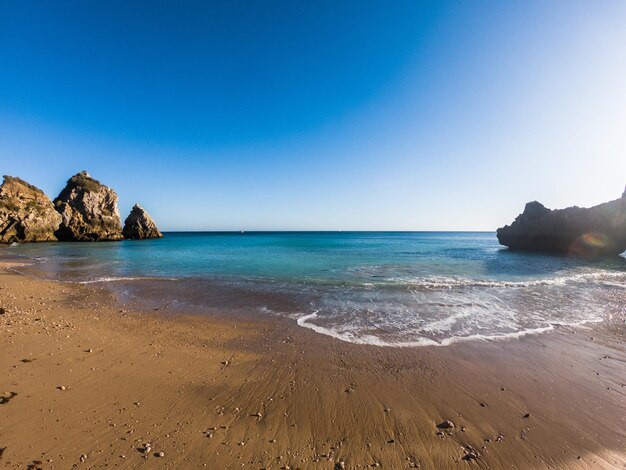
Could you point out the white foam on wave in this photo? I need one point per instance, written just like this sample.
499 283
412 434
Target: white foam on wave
445 324
122 279
445 282
348 335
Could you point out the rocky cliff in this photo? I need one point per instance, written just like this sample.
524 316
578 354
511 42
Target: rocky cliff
26 213
594 231
139 225
88 210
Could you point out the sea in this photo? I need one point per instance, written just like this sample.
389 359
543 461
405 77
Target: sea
390 289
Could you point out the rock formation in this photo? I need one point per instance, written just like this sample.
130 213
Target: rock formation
594 231
88 210
26 213
139 225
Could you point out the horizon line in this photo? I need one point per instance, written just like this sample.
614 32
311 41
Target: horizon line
328 231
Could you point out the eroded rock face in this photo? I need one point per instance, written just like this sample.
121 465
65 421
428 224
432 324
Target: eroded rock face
88 211
594 231
139 225
26 213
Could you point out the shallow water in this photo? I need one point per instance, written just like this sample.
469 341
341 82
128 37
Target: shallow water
384 288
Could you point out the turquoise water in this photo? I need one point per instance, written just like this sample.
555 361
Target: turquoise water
395 289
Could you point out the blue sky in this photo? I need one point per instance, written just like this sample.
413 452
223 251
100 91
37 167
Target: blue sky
323 115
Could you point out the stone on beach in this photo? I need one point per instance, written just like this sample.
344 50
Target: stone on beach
88 210
470 454
26 213
447 424
85 210
5 399
594 231
139 225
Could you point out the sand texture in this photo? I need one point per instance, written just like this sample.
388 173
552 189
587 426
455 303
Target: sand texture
86 382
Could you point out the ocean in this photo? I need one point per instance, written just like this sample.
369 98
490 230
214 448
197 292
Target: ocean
402 289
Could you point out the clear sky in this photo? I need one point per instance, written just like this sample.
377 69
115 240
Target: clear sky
331 115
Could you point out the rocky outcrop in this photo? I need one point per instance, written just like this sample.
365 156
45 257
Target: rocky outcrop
26 213
594 231
88 211
139 225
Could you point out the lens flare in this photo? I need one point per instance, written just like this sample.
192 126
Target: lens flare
591 244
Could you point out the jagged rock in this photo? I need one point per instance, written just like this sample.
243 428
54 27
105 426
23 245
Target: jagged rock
26 213
88 210
594 231
139 225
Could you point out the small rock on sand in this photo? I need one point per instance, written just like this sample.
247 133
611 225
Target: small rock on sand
2 311
6 399
447 424
470 454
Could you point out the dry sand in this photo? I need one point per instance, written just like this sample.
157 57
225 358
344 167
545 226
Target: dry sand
87 383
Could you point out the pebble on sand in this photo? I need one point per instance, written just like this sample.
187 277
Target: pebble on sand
470 453
447 424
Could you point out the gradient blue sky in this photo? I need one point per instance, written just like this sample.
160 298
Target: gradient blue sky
231 115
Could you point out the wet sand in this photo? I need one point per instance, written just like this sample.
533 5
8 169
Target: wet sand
86 382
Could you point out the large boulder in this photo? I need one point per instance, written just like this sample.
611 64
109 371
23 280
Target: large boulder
139 225
88 210
26 213
594 231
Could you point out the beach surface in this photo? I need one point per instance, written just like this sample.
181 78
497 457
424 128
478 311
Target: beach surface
87 382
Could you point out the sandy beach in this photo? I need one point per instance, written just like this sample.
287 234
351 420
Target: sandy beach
313 235
89 383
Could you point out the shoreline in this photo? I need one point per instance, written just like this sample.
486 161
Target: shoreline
96 381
